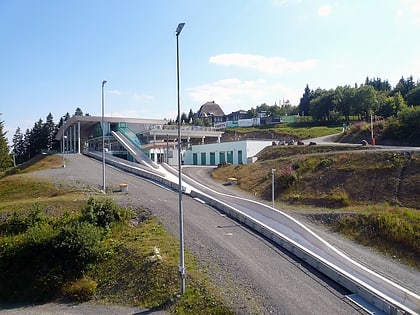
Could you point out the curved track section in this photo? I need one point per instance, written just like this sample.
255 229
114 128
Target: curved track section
287 232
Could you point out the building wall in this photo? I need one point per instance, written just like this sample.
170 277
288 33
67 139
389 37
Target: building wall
237 152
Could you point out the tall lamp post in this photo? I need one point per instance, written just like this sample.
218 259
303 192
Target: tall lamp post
273 171
63 164
181 211
103 139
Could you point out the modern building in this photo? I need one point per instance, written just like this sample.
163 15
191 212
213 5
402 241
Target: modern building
131 138
235 152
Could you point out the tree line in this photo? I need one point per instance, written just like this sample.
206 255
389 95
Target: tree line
40 138
374 97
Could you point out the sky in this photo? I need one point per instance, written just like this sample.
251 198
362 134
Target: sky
54 54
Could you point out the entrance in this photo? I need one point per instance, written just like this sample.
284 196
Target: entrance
212 158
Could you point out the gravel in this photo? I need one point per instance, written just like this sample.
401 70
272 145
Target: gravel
252 275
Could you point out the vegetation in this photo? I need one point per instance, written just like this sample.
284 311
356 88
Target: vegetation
382 188
374 97
82 248
393 230
5 160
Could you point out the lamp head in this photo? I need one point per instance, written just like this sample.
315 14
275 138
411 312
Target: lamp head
103 82
179 28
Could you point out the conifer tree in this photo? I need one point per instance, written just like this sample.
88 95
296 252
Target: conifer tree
5 158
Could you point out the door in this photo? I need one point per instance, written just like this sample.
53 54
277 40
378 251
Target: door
240 157
212 158
222 158
229 157
203 158
195 159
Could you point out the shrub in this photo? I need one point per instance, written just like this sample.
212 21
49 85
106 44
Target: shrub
78 245
80 290
20 223
103 213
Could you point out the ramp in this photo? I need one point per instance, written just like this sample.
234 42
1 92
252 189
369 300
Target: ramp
134 150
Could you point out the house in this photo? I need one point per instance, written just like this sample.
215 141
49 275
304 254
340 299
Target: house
211 112
235 116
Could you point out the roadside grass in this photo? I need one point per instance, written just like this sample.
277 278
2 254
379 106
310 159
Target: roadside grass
83 249
292 130
379 190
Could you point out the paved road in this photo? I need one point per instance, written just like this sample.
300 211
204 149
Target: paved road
254 276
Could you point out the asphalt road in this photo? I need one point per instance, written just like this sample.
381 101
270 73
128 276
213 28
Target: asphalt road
253 275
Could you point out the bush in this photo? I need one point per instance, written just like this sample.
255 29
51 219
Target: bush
78 245
103 213
20 223
81 290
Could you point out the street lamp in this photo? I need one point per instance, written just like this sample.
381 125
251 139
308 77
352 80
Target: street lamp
103 139
273 170
63 164
181 211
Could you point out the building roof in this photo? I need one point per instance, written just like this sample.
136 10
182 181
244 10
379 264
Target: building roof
210 109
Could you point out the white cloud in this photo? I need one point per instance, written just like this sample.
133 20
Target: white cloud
233 94
142 97
262 63
117 92
410 9
278 3
324 10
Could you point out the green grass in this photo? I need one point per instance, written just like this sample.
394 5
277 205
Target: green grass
293 130
392 230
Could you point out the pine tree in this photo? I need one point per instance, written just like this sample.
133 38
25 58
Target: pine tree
19 146
51 131
5 158
304 101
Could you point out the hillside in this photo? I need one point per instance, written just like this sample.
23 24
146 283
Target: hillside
323 176
370 196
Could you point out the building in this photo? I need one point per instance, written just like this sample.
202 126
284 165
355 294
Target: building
131 138
211 112
236 152
235 116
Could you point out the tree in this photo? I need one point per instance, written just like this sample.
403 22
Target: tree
413 97
5 159
404 86
78 112
252 113
19 146
378 84
366 102
322 107
184 118
304 101
50 131
27 144
190 116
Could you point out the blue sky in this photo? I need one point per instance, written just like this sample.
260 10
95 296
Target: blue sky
240 53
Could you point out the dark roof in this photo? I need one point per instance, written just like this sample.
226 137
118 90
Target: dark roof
209 109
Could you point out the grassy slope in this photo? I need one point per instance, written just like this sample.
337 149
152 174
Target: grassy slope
127 275
382 188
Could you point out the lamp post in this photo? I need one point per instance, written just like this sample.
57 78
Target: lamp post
63 163
103 139
273 170
181 211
